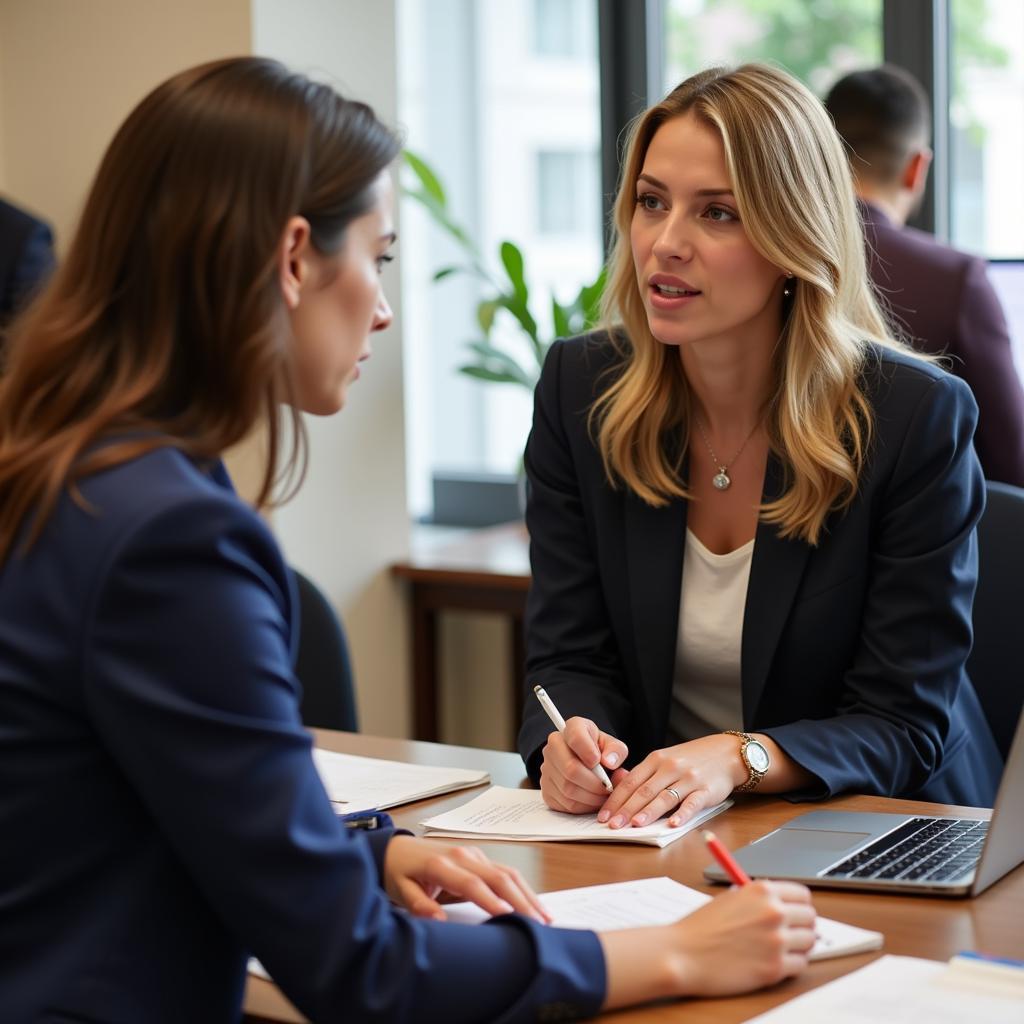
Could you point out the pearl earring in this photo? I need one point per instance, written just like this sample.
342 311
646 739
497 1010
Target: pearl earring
787 291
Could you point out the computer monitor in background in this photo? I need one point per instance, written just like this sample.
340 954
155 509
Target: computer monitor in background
1007 277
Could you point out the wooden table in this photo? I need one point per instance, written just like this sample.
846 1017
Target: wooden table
487 571
913 925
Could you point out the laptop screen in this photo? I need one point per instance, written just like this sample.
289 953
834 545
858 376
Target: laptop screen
1007 277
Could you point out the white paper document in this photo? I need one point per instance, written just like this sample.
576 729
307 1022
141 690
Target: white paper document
901 990
520 815
656 901
368 783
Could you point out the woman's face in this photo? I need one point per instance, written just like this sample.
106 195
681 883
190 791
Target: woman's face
700 278
339 304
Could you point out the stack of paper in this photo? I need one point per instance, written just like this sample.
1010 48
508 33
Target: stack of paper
368 783
520 815
905 990
657 901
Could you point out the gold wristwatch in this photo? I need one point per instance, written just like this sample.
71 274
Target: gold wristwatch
755 757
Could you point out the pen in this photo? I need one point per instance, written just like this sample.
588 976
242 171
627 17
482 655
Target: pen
728 863
366 821
559 723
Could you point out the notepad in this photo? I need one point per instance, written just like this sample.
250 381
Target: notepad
658 901
363 783
520 815
904 990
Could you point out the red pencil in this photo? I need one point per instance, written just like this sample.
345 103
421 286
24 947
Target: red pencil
728 863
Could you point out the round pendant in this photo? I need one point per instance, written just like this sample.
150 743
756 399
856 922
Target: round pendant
721 480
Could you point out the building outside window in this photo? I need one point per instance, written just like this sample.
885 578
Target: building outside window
502 100
987 127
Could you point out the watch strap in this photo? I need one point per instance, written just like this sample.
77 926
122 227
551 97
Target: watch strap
754 775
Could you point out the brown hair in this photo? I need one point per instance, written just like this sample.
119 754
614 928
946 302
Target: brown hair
796 201
165 325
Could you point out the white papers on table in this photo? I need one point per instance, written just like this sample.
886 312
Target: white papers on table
903 990
368 783
520 815
656 901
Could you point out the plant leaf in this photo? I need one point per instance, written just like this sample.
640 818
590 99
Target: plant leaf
439 214
518 309
495 376
512 260
496 361
428 179
589 300
561 319
485 312
440 275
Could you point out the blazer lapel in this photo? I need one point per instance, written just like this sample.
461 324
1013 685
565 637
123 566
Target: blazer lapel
655 544
775 573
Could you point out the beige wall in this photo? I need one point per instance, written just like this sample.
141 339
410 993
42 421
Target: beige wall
70 70
349 522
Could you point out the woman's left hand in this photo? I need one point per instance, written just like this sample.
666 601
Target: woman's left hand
416 871
703 772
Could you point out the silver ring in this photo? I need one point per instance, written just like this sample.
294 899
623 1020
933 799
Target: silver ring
679 799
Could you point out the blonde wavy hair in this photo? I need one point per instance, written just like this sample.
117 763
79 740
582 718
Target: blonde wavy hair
795 197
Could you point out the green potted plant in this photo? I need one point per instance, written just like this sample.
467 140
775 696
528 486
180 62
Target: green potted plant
507 295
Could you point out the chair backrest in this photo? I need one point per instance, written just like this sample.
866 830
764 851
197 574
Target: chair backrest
996 664
322 662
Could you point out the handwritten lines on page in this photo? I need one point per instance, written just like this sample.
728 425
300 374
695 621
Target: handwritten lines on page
520 815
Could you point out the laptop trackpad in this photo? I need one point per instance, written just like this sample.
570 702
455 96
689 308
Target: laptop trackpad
798 852
809 840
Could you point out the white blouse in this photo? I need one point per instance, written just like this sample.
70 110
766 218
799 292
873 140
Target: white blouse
706 693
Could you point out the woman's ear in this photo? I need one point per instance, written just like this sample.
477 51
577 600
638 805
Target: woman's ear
292 263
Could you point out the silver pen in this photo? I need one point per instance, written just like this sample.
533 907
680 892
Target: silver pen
559 723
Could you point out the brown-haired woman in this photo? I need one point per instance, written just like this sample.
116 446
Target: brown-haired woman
160 810
751 509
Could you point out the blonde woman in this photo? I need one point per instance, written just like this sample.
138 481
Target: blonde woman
751 509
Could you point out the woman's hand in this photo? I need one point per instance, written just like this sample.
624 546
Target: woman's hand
416 871
566 780
744 939
703 772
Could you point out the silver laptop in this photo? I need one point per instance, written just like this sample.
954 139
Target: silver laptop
897 852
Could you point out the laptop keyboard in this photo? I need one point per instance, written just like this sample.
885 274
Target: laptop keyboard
922 849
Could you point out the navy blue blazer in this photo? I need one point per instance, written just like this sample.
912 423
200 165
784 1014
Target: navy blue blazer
853 651
160 812
26 257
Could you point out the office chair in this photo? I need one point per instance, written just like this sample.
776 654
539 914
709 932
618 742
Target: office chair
995 665
322 662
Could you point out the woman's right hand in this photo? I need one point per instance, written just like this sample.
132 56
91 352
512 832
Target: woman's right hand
745 939
566 780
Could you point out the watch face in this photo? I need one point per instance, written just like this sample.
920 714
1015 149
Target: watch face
757 756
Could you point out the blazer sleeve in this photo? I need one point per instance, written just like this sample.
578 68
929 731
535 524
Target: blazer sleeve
190 687
984 346
889 734
30 268
571 648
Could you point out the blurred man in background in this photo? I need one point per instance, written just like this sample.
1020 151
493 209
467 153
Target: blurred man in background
941 297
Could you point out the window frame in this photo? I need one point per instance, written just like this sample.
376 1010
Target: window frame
915 36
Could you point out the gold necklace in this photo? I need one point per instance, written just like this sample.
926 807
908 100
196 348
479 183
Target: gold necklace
721 480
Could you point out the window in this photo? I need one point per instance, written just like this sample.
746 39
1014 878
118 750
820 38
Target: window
987 127
559 28
514 136
817 42
566 192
